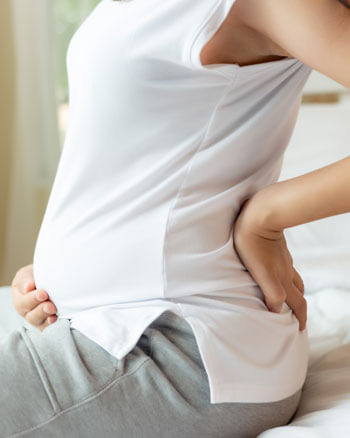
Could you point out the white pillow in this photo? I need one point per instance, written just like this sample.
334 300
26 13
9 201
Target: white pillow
320 249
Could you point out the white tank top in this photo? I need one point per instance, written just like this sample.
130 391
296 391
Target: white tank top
159 156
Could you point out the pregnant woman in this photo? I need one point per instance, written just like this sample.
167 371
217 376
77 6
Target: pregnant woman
174 309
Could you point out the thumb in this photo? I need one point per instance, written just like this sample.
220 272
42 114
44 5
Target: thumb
27 284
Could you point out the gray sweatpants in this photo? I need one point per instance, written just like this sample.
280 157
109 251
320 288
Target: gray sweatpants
59 383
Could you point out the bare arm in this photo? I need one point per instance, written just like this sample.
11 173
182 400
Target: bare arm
315 195
258 230
315 31
318 33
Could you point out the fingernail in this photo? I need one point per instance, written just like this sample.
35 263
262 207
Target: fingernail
46 309
40 296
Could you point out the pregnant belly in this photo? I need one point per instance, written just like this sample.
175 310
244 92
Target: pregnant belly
82 270
87 267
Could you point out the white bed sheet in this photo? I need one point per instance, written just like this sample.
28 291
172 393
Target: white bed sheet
324 410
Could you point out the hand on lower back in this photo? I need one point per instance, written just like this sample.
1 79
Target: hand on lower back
32 303
265 254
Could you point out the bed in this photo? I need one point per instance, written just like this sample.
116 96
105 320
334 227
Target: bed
321 254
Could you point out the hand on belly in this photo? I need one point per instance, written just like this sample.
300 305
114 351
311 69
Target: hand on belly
32 304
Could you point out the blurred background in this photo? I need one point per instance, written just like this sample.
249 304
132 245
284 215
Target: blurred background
34 112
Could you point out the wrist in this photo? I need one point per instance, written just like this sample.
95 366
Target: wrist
258 215
315 195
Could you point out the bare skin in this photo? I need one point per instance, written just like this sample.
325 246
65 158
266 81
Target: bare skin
315 31
318 33
236 42
32 304
259 227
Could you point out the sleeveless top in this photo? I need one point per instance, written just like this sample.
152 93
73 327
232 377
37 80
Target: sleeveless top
160 153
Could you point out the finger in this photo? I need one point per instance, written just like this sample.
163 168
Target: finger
298 304
40 313
30 300
24 279
25 303
274 293
298 281
28 285
50 320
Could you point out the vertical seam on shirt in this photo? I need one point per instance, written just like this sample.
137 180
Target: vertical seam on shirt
41 371
189 166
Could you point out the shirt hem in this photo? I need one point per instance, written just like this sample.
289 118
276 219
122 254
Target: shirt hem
242 393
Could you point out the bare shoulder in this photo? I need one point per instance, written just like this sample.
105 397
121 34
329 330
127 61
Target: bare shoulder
315 31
